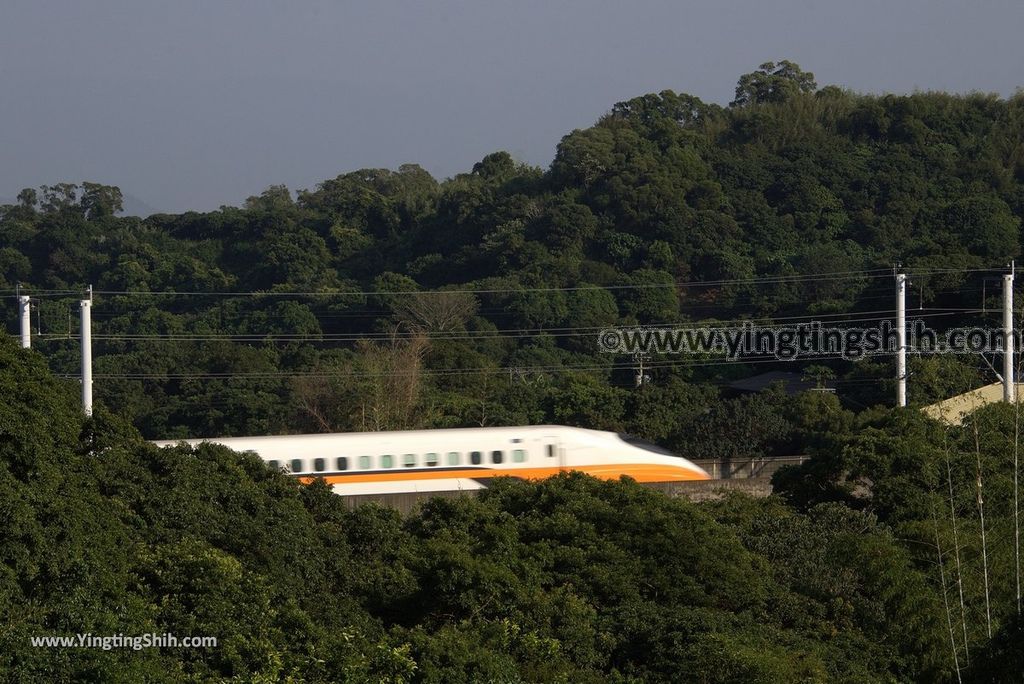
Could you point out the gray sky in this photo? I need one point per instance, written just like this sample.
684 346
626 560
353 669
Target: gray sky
192 104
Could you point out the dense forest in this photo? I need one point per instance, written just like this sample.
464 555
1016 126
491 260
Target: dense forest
569 579
388 300
869 565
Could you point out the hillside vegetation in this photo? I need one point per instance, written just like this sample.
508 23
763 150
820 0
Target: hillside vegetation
388 300
568 580
477 300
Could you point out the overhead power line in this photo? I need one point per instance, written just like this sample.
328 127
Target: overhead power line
509 333
500 370
778 279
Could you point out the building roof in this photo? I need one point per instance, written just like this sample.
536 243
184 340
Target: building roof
955 409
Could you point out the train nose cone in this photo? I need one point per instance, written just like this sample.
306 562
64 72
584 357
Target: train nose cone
701 473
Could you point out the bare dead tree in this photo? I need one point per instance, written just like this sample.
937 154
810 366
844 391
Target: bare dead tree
312 395
981 515
945 596
432 312
395 373
956 546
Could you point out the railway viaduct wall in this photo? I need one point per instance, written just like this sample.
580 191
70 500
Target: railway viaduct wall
750 477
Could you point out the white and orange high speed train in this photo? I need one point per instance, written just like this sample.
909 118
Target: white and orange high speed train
461 459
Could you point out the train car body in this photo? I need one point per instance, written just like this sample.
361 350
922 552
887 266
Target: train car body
461 459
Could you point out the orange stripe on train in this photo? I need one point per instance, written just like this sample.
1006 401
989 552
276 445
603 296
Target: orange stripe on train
612 471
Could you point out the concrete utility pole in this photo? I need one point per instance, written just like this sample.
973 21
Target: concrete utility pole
25 308
86 305
901 330
1009 341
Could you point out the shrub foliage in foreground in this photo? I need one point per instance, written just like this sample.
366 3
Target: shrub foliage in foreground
570 579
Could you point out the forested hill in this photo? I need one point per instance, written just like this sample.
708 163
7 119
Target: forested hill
566 580
387 299
668 209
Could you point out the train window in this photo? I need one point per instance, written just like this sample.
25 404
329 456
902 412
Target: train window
551 450
518 455
476 457
431 459
454 458
497 456
342 463
297 465
318 465
409 460
364 462
387 460
273 465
